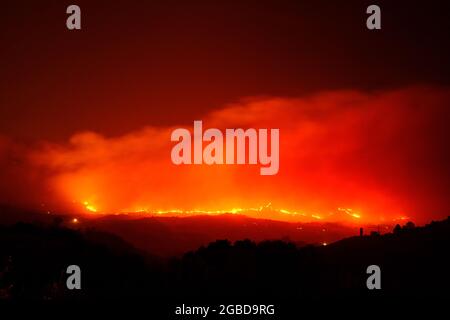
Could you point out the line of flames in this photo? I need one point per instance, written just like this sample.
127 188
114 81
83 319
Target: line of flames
268 207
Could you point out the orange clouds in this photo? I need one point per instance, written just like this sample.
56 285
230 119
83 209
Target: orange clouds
383 154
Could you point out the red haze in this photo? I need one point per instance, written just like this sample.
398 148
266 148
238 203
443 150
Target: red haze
383 154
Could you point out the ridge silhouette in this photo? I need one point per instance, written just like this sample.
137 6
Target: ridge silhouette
34 256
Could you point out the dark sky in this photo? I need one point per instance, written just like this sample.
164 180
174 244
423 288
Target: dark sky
137 63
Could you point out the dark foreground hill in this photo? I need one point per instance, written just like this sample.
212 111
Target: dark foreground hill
33 260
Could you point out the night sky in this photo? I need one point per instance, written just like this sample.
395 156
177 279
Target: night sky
365 113
137 63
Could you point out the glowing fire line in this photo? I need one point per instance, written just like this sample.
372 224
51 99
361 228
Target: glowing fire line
353 214
265 208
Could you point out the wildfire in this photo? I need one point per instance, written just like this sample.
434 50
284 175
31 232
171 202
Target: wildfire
265 211
89 207
350 212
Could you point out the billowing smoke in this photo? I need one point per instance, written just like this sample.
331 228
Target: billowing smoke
383 154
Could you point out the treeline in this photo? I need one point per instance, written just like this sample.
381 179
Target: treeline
33 261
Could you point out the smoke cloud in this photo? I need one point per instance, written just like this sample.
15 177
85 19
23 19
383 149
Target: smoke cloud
383 154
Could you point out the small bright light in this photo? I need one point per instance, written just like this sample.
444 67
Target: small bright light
324 244
75 220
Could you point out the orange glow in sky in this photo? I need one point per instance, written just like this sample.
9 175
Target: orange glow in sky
344 156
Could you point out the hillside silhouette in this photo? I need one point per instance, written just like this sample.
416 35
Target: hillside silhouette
33 259
414 263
